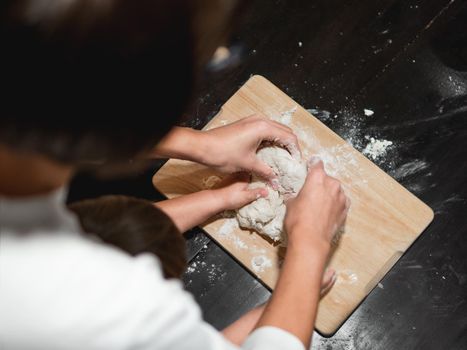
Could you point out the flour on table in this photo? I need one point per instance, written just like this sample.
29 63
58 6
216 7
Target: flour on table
239 243
228 227
260 263
347 277
286 117
376 148
266 215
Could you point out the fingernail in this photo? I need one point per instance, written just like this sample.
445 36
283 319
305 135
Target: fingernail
275 184
334 277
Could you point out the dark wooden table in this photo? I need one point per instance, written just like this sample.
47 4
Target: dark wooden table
405 60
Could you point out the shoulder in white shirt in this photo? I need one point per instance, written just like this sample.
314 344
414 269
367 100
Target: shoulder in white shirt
61 290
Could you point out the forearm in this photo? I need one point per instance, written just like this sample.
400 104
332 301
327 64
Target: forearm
192 209
294 303
239 330
181 143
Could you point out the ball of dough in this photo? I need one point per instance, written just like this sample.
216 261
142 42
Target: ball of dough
261 215
266 215
291 172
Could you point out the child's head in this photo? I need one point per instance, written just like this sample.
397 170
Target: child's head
136 226
100 80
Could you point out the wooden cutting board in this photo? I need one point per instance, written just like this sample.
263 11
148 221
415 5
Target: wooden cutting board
384 220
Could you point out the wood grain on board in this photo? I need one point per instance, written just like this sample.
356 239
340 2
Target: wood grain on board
383 222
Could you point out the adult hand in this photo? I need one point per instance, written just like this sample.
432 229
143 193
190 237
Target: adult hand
319 210
232 148
311 221
239 330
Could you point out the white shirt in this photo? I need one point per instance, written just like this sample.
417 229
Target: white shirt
61 290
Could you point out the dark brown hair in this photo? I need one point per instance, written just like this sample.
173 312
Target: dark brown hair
135 226
101 80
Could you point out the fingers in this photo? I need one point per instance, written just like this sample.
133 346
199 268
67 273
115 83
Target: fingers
316 173
253 194
329 278
280 125
273 122
263 170
315 162
273 131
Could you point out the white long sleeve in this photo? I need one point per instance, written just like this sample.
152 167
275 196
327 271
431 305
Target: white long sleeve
60 290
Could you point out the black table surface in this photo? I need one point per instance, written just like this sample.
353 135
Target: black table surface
406 61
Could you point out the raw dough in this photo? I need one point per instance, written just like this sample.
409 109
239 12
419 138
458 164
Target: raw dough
266 215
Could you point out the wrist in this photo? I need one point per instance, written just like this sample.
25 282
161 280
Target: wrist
192 145
309 243
218 200
194 149
308 260
210 152
179 143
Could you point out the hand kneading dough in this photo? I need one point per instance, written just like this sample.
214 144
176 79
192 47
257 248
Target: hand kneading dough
266 215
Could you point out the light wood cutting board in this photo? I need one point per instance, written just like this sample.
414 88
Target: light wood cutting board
383 222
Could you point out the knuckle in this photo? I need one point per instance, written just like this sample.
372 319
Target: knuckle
335 186
320 174
288 128
262 124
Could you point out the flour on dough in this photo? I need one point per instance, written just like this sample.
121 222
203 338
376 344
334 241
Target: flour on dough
266 215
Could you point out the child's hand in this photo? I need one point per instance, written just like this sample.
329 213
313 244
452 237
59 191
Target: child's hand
234 191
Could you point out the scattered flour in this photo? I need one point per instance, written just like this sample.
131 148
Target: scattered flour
339 161
346 277
409 168
228 227
260 263
286 117
239 243
376 148
320 114
215 273
226 230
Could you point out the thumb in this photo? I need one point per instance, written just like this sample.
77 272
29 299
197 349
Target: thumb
315 162
265 172
252 194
